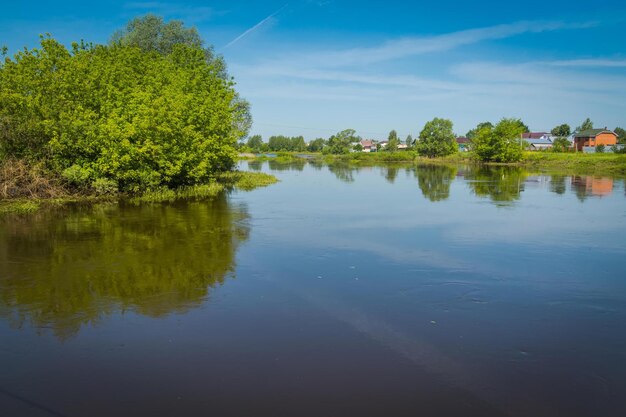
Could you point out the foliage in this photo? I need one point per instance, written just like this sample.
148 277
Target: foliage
246 181
621 134
561 144
341 142
392 142
561 130
471 133
502 143
586 125
144 115
600 148
409 141
316 145
255 143
286 144
437 139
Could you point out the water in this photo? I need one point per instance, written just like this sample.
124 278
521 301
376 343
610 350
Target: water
382 291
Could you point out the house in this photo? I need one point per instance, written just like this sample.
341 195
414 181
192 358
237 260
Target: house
463 143
538 141
590 138
368 145
403 147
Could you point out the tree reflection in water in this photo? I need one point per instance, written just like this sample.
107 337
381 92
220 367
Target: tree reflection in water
64 270
435 180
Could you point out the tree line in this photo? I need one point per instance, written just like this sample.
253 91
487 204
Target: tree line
500 142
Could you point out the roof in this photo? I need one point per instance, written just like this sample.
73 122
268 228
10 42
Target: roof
591 133
534 135
538 141
462 139
367 142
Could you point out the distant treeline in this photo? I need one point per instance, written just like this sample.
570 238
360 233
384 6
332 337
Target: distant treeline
488 142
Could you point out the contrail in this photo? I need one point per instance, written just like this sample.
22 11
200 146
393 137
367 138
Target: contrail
253 28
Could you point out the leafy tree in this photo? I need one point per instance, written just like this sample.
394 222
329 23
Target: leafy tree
316 145
586 125
340 143
471 133
151 34
561 131
138 117
358 147
437 139
254 143
621 134
409 141
561 145
600 148
501 143
392 142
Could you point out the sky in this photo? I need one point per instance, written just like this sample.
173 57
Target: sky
315 67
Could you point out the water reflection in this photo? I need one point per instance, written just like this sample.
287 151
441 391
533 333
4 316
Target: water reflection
64 270
502 185
343 172
591 186
435 180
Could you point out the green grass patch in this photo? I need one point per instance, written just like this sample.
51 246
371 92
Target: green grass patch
246 181
576 163
196 192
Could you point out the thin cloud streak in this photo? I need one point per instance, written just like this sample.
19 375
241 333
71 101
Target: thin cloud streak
591 63
255 27
406 47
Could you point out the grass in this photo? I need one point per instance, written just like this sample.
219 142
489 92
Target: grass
19 207
576 163
246 181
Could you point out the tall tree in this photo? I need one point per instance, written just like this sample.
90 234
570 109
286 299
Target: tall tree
561 131
409 141
586 125
621 134
502 143
392 142
254 143
472 132
341 142
437 139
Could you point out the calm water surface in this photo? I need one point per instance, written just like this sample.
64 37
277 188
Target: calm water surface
383 291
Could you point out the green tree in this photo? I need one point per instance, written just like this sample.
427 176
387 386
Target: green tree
561 144
254 143
471 133
562 130
437 139
409 141
621 134
341 142
586 125
392 142
316 145
501 143
140 118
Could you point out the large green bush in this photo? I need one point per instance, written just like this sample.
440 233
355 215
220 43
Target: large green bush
139 118
500 143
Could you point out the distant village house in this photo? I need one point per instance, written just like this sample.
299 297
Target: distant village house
587 140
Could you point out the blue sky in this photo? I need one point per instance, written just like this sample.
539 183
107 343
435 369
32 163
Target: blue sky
315 67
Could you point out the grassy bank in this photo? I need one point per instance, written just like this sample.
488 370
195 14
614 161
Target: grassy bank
608 164
25 189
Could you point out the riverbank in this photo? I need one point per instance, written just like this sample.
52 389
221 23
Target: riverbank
32 190
604 164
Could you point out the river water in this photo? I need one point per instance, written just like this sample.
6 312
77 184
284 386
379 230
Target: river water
378 291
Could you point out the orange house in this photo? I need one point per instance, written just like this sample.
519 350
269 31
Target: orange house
594 137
